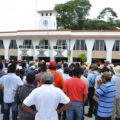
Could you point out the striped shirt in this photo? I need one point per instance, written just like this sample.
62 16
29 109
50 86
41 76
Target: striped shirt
106 95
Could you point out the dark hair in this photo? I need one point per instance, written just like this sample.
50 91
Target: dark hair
65 65
23 64
66 70
77 64
43 67
105 69
11 68
77 71
30 77
20 73
1 66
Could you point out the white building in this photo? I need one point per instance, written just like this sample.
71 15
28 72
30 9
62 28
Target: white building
56 44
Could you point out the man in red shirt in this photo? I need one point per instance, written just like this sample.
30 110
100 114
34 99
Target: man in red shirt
58 79
77 90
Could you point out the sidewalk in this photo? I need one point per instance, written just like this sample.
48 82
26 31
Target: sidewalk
86 118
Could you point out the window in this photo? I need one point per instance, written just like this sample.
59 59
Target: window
116 46
46 14
80 45
13 44
42 14
99 45
1 44
27 44
50 14
44 44
61 44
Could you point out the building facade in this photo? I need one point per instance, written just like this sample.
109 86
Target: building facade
60 45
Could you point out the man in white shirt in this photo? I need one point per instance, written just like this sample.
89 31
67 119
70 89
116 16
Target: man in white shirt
46 99
10 83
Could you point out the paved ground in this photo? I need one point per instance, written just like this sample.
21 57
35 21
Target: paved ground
86 118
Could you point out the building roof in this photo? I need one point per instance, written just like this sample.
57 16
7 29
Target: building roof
46 11
61 34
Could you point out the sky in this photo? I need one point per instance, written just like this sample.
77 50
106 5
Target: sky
21 14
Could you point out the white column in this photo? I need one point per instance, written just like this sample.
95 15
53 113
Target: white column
6 43
109 47
70 44
35 43
19 42
89 45
52 43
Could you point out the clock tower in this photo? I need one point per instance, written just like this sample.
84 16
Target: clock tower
47 20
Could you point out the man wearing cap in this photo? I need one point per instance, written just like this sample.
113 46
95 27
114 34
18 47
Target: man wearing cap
58 79
116 81
106 95
46 99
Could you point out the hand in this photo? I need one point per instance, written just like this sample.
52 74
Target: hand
99 83
34 112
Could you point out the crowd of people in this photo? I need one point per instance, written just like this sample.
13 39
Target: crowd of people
37 90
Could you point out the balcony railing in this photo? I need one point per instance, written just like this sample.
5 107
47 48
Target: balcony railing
42 47
25 47
60 47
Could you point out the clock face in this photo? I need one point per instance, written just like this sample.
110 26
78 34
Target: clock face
45 22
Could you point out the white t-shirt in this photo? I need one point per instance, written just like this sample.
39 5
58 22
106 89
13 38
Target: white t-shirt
46 99
10 82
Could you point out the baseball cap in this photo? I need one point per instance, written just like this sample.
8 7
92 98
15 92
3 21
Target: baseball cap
48 77
52 63
107 75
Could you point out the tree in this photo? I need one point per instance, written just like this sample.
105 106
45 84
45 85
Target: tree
108 13
82 57
71 15
117 24
98 25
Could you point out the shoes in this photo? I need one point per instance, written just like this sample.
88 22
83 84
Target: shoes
117 118
88 115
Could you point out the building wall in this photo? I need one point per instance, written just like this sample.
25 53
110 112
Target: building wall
53 36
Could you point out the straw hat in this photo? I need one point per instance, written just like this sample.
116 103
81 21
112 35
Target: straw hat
117 70
107 75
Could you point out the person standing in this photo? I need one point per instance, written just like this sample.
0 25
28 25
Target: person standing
10 82
22 93
106 95
58 79
2 72
46 99
116 80
77 90
92 74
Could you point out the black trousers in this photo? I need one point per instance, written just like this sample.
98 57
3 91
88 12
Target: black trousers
91 101
103 118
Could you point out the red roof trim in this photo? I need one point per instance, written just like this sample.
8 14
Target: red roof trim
64 36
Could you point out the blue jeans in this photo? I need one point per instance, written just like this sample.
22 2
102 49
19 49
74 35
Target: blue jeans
75 111
6 114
